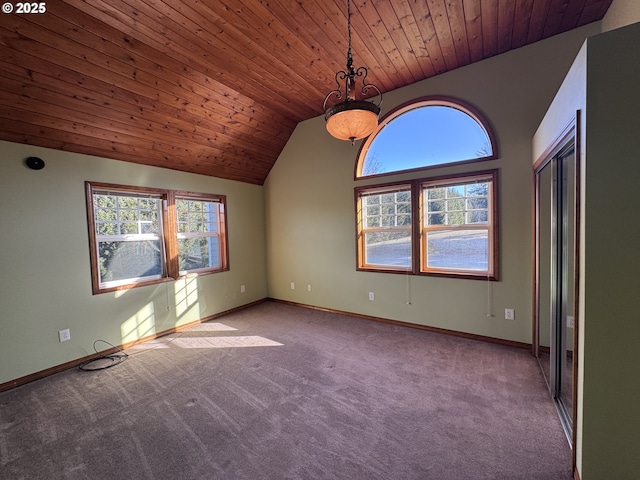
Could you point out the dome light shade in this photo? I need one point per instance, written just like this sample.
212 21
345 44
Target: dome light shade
352 120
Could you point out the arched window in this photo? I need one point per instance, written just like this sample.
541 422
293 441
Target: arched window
426 133
444 225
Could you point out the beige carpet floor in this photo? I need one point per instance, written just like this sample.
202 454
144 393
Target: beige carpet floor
282 392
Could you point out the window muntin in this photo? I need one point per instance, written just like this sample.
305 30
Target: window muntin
200 224
455 233
139 236
457 225
385 228
129 238
426 133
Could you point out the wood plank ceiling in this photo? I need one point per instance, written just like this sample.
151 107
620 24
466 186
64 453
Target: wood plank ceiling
216 87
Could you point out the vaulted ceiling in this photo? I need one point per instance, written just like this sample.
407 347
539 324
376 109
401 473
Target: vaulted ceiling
217 87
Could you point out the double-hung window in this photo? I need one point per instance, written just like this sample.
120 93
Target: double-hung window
439 226
384 219
458 225
200 233
129 239
140 236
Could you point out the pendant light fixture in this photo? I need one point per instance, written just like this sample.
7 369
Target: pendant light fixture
351 118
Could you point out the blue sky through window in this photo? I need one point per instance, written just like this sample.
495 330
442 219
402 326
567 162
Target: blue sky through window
426 136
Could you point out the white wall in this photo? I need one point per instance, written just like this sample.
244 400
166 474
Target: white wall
310 204
44 260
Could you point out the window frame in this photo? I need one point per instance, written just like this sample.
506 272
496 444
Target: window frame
168 233
221 234
418 237
425 102
491 227
360 194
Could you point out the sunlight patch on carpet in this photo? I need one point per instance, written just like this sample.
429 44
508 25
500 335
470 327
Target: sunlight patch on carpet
211 327
224 342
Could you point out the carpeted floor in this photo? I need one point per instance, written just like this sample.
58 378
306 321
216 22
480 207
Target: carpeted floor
282 392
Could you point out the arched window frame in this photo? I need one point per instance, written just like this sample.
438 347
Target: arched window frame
438 100
416 259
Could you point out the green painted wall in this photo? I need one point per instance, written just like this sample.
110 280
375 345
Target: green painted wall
570 98
611 417
44 260
309 202
602 83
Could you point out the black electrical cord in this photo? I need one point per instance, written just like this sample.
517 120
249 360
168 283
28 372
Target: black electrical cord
98 363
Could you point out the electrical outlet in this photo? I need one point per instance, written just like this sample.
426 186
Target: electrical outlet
64 335
570 322
293 286
309 288
509 314
242 289
372 296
